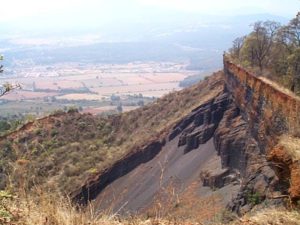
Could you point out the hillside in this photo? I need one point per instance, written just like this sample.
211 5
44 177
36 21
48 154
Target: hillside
227 153
222 149
63 149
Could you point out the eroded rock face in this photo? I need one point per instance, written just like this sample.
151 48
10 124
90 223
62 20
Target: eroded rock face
231 139
201 124
194 130
246 164
268 113
242 138
242 157
243 122
242 162
95 185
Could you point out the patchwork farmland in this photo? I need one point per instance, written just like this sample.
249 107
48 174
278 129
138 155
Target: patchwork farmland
93 87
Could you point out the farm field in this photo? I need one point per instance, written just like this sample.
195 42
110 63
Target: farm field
103 84
19 95
71 84
148 90
103 109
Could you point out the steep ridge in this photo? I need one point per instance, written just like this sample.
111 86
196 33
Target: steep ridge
270 112
186 153
196 129
59 152
222 145
206 150
273 118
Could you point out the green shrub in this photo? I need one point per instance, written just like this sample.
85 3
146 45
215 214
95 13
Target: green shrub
254 198
54 132
72 109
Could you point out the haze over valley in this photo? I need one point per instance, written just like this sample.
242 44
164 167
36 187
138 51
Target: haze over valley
150 112
102 66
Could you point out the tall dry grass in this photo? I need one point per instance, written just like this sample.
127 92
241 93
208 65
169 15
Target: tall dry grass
49 209
272 216
45 209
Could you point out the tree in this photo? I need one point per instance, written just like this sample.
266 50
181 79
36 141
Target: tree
273 47
289 38
289 35
263 35
255 48
141 102
283 38
293 31
6 87
4 126
247 52
294 69
237 46
120 108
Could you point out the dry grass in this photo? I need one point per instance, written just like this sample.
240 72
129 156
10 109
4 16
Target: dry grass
171 202
45 209
292 145
273 216
63 151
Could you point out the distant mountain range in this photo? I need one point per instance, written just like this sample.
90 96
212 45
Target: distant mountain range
167 37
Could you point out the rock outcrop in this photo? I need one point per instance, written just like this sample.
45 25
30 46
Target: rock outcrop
237 154
95 185
227 142
269 112
201 124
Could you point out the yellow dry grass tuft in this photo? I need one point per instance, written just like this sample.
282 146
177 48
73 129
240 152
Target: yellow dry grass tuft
46 209
292 145
273 216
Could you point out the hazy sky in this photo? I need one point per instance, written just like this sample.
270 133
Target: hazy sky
72 14
18 9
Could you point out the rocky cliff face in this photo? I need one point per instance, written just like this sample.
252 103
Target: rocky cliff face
223 146
94 186
180 157
270 112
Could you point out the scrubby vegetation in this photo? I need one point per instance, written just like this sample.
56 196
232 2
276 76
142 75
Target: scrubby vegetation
191 80
45 209
62 150
45 160
277 216
13 122
272 50
49 209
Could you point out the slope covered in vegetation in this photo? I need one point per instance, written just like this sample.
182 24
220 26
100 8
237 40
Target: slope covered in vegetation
46 152
63 149
234 135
